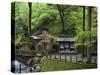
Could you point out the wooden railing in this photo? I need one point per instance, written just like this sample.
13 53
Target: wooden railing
27 53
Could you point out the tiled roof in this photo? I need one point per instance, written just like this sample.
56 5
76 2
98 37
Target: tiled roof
65 39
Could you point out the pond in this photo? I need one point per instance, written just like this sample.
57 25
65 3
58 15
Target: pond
19 67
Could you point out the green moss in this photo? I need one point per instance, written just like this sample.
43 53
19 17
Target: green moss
58 65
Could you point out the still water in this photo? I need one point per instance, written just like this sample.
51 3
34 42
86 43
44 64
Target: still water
19 67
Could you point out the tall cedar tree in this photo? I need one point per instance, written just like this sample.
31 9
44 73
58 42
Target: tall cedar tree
89 29
61 13
30 14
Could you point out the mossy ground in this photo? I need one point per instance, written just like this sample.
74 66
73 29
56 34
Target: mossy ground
59 65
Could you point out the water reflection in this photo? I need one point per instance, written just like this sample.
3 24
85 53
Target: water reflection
19 67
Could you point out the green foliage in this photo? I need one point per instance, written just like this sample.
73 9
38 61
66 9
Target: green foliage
47 15
83 37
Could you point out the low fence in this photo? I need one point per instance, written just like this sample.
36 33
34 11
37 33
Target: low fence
72 58
20 52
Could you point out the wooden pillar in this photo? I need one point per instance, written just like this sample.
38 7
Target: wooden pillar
20 68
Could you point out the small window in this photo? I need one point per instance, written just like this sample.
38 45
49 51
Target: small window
67 46
72 47
62 46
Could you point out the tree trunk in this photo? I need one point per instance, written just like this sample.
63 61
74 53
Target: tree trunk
61 13
83 28
83 18
89 18
30 14
89 29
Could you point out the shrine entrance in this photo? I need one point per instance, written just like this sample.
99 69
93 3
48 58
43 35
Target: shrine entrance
66 44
